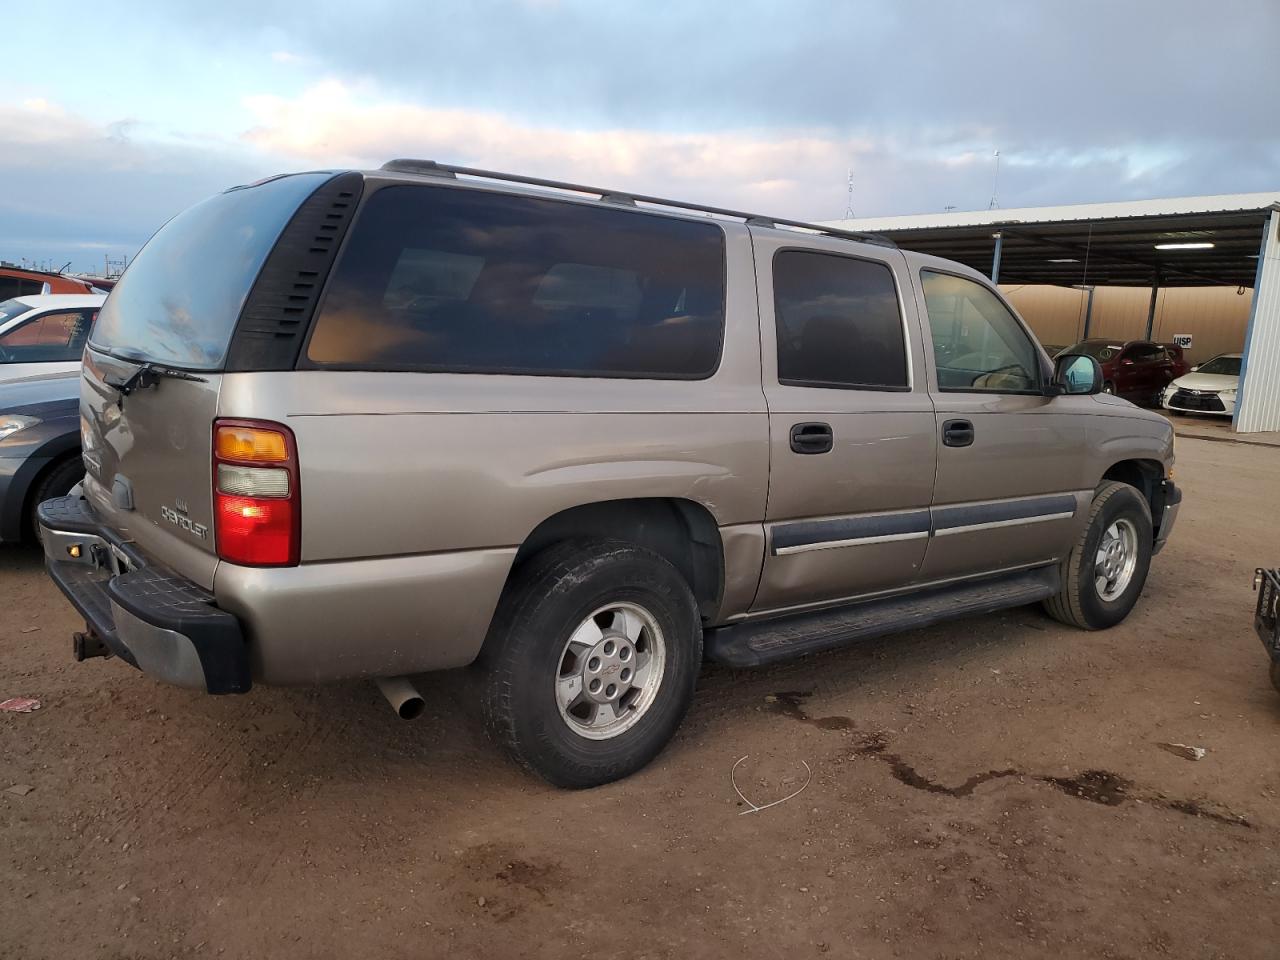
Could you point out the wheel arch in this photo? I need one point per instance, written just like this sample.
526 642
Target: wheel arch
682 531
27 479
1146 476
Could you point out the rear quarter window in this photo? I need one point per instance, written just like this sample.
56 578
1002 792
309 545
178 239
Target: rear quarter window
447 280
180 298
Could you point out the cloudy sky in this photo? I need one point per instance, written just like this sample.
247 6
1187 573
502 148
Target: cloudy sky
114 117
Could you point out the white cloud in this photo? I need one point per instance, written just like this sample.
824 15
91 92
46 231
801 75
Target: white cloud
334 123
285 56
35 123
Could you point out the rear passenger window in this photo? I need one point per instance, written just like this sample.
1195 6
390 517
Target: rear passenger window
49 338
448 280
19 287
838 322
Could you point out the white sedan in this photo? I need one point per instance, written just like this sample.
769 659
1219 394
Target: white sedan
45 333
1208 388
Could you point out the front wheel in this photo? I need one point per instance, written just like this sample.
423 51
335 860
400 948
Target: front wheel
591 661
1106 569
1109 387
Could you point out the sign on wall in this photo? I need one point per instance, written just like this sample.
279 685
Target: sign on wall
1182 340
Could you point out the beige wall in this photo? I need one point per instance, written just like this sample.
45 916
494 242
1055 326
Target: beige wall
1215 316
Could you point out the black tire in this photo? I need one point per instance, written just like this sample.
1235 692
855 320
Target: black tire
56 482
1109 387
547 599
1079 602
1275 674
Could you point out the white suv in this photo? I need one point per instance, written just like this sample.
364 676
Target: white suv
45 333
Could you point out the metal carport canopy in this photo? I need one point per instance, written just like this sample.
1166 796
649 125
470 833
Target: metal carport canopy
1117 244
1097 243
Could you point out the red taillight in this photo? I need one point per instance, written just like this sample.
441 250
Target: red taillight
257 507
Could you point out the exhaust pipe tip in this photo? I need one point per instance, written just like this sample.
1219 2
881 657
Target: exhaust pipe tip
411 708
404 698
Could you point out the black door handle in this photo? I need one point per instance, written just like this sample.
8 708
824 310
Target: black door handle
811 438
957 433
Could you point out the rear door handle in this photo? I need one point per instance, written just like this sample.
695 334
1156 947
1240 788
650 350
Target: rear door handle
957 433
811 438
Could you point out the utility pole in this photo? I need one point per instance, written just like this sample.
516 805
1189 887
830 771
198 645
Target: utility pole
995 186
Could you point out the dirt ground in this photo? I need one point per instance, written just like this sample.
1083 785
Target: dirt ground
989 788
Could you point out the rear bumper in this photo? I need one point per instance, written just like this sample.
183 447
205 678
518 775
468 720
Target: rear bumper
148 616
1171 502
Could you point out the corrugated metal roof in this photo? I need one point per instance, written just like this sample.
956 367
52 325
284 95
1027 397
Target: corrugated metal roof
1067 213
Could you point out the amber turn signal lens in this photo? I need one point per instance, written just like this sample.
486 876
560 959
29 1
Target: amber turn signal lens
251 444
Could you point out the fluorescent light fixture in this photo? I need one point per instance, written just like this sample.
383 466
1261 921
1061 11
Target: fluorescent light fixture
1063 260
1184 246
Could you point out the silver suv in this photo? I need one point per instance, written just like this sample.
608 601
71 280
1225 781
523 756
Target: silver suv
369 424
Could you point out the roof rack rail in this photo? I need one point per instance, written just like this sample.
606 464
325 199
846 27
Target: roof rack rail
449 171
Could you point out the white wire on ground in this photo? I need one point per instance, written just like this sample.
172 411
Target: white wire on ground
752 808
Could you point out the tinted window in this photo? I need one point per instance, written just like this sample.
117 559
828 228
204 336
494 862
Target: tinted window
838 322
1143 353
19 287
179 300
977 343
440 279
47 338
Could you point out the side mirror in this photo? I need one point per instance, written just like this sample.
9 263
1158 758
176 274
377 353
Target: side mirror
1076 375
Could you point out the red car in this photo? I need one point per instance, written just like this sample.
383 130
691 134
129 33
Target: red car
1137 370
19 282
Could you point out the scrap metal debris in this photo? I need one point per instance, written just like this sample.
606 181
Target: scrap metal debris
1185 751
19 789
20 705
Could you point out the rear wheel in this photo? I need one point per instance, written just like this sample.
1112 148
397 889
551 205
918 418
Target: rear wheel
57 482
591 661
1104 574
1275 674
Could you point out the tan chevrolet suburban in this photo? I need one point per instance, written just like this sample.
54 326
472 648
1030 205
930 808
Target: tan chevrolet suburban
370 424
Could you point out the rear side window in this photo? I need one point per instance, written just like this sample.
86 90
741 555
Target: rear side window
47 338
447 280
838 322
1145 353
179 300
19 287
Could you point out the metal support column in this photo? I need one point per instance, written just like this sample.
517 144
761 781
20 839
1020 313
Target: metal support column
1258 400
1151 308
995 266
1088 314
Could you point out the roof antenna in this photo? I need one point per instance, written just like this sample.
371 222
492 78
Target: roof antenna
848 202
995 187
